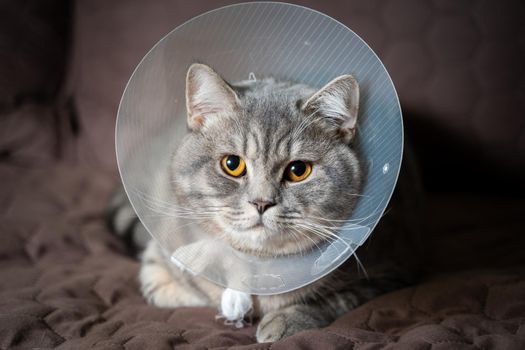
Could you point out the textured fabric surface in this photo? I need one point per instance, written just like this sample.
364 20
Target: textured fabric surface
66 282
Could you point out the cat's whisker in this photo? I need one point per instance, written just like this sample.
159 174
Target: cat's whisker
184 212
331 227
299 242
152 206
147 197
360 264
152 203
288 217
169 208
171 217
194 213
200 214
305 247
185 217
305 122
177 228
336 220
298 130
326 233
296 238
320 233
325 219
352 221
163 207
358 261
308 237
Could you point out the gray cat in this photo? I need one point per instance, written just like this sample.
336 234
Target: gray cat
276 162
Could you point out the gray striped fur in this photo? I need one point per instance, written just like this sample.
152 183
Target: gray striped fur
270 123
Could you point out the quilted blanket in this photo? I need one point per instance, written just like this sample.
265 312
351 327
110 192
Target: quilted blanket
67 282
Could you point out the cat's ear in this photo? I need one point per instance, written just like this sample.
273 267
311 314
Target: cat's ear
207 96
337 103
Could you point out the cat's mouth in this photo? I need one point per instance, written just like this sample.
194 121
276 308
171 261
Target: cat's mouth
258 224
262 240
266 225
265 235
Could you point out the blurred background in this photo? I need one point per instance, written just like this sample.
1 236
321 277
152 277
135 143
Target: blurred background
66 280
457 66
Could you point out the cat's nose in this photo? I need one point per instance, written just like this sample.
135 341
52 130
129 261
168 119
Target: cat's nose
262 205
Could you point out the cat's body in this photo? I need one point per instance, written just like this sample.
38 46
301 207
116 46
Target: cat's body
275 162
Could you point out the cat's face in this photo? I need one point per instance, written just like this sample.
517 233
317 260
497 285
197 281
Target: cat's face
268 165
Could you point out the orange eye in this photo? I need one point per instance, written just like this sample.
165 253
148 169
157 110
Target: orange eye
297 171
233 165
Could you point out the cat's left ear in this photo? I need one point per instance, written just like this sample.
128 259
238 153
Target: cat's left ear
208 96
338 103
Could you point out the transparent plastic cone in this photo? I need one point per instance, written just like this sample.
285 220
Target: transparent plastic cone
243 42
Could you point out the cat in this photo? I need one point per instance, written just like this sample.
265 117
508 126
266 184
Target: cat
277 161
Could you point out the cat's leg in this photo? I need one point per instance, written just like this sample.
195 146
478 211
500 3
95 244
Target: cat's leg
323 309
290 320
164 285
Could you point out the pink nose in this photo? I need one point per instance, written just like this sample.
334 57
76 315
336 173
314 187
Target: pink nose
261 205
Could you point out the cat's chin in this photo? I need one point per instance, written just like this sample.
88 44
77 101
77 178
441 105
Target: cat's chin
259 240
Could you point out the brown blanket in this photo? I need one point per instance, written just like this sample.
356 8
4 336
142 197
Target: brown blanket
66 282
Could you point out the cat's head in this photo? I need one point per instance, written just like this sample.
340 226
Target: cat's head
268 166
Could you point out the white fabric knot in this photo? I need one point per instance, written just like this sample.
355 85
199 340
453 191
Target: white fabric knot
235 306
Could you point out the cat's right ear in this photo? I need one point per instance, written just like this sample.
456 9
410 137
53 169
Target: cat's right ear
337 103
207 96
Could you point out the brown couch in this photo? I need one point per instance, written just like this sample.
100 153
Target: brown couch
66 282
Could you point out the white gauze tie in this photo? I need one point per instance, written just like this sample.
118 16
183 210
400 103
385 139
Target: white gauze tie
234 306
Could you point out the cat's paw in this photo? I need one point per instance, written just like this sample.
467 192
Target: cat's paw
282 323
166 286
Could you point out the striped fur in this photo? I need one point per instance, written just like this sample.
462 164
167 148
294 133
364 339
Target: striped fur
270 124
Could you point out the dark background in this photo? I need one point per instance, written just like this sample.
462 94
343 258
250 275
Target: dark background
457 66
65 280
